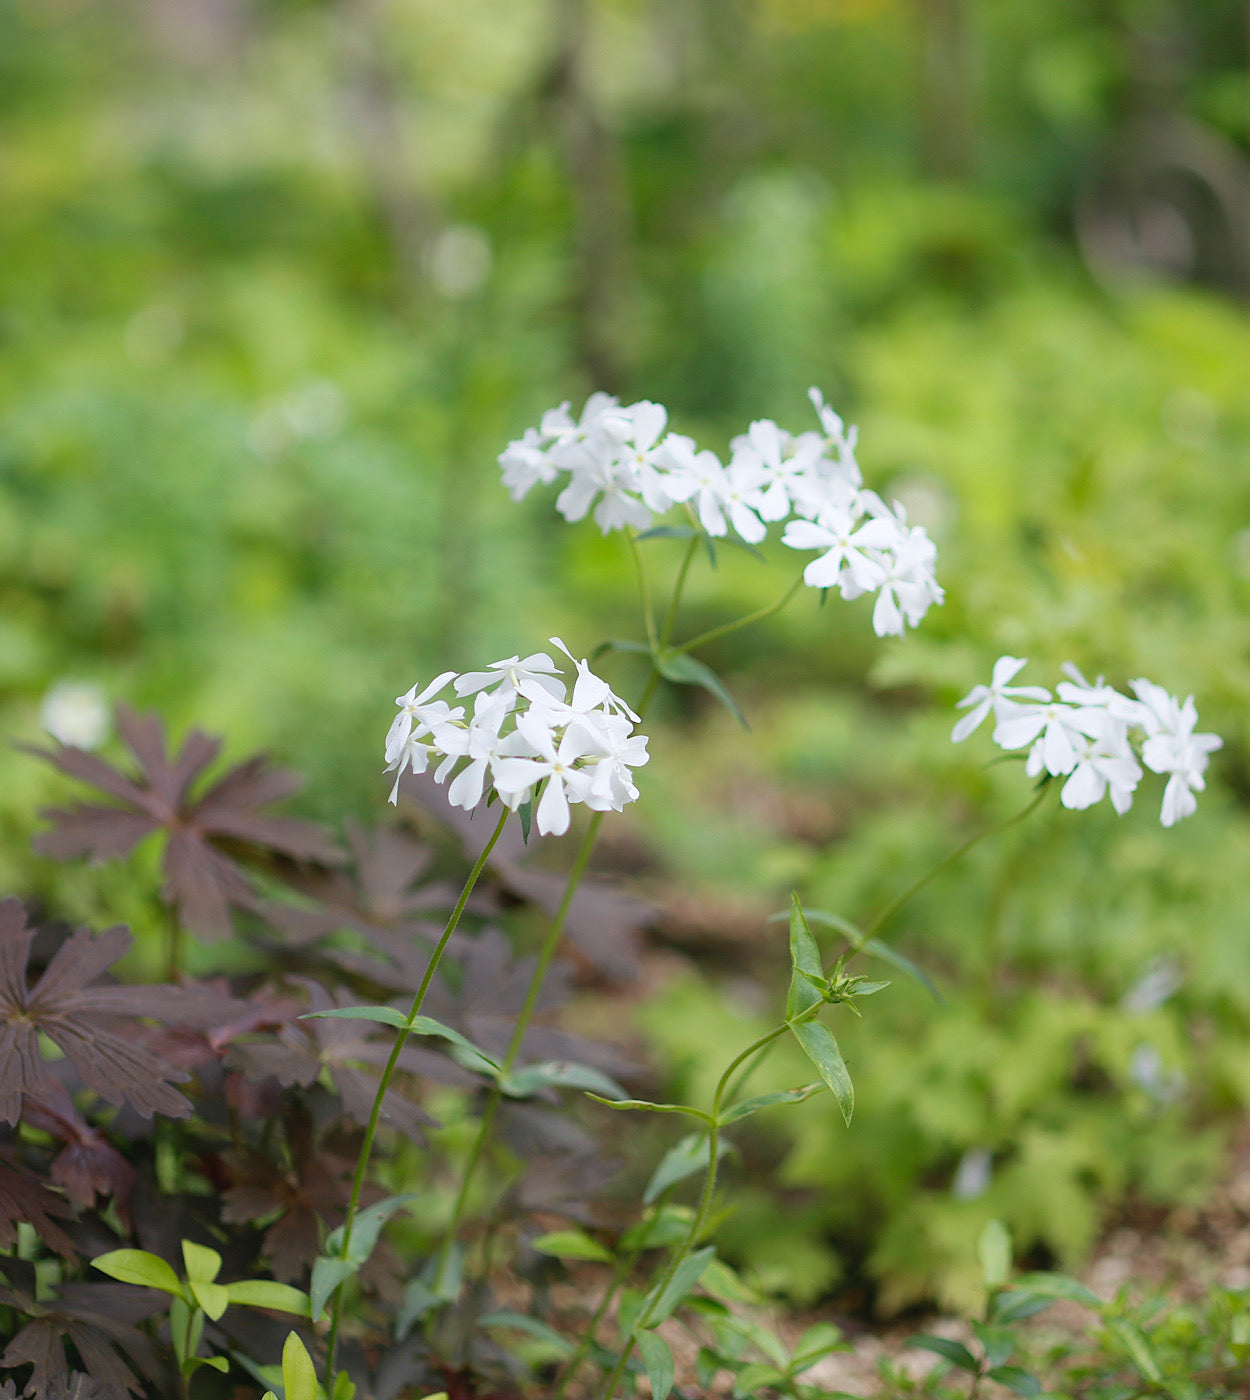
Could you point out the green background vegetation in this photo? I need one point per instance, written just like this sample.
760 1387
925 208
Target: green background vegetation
279 280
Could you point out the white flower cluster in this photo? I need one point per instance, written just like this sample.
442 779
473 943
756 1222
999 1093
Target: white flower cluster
526 731
1087 733
620 460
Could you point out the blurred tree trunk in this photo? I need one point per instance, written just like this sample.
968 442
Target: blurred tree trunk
947 102
600 198
384 140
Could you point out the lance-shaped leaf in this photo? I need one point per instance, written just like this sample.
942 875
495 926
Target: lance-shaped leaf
682 669
822 1049
75 1017
202 877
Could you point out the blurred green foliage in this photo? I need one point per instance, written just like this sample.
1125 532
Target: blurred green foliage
278 281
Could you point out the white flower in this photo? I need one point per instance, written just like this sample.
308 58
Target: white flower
910 586
75 713
782 460
523 734
1173 748
998 696
845 560
554 765
1088 734
1105 763
413 711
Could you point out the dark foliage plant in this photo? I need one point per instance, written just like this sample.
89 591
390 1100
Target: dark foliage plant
181 1115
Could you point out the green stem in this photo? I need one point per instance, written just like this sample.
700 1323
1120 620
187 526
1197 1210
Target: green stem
401 1039
757 616
644 590
917 885
619 1275
704 1209
547 952
670 618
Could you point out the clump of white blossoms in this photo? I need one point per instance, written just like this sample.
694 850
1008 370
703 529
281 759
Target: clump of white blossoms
526 732
619 460
1093 735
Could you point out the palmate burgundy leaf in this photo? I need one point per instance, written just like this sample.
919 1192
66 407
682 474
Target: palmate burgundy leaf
24 1199
94 1318
88 1165
76 1018
202 878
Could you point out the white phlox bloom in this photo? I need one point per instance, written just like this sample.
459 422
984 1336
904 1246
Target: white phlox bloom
1173 748
998 697
620 465
527 732
1095 736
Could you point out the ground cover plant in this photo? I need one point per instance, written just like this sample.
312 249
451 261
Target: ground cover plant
276 1119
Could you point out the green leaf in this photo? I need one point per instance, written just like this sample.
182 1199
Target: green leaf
1017 1380
723 1282
345 1388
747 1107
186 1326
756 1377
646 1106
572 1244
203 1264
531 1326
526 812
689 1272
683 1159
327 1274
954 1352
805 962
1133 1340
218 1363
418 1299
1048 1285
994 1252
212 1297
670 532
875 948
562 1074
1013 1306
996 1342
384 1015
139 1267
852 932
658 1360
659 1228
264 1293
617 644
366 1228
466 1053
822 1049
681 669
299 1376
818 1341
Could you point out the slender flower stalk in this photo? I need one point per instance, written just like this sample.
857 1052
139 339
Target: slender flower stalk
704 1208
388 1073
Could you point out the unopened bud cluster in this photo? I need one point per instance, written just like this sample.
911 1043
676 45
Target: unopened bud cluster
526 731
1091 734
619 460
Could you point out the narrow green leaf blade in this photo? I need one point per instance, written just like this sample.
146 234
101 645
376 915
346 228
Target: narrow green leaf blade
572 1244
264 1293
212 1297
805 962
954 1352
689 1272
646 1106
681 669
384 1015
366 1228
683 1159
1017 1380
875 948
327 1274
299 1376
1048 1285
1134 1341
747 1107
139 1267
658 1361
472 1056
529 1325
560 1074
822 1049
